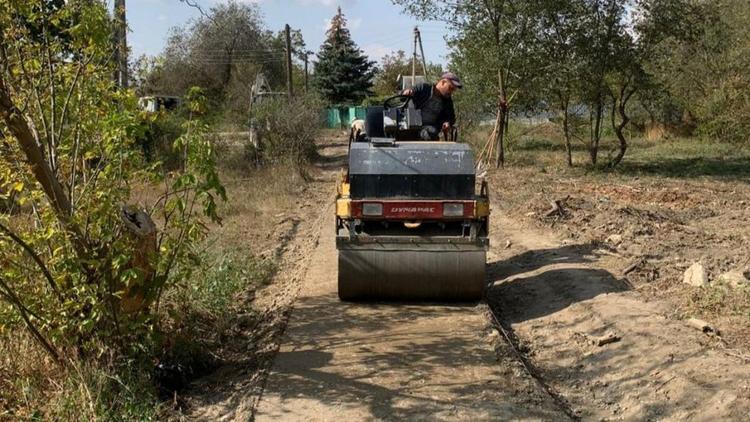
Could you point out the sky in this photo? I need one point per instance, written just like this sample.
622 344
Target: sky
377 26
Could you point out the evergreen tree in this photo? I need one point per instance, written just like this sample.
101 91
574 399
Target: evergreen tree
343 74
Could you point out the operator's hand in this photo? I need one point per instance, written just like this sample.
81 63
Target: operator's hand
407 92
446 126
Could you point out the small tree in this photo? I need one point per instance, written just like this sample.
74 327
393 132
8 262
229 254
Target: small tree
395 64
79 267
493 49
343 74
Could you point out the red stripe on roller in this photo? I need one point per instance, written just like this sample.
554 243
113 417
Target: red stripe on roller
412 210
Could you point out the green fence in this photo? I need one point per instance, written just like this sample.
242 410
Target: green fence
342 117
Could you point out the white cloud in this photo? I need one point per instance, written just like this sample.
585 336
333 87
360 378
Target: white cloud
376 51
355 23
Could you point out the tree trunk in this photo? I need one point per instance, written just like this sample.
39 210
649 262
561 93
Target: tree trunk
502 106
19 127
564 105
618 128
596 126
121 44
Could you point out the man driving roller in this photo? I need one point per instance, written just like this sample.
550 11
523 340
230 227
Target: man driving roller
436 105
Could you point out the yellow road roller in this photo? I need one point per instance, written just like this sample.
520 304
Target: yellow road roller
411 218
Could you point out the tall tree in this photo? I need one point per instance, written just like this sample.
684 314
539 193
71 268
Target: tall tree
493 48
221 52
343 74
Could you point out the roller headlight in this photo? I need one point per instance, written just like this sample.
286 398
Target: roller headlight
453 210
372 209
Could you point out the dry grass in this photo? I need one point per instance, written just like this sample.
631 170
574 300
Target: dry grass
35 388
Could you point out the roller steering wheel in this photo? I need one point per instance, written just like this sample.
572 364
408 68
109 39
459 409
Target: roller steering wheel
399 101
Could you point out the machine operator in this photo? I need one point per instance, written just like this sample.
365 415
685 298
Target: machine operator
436 105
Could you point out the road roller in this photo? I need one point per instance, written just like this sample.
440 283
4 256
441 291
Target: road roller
411 217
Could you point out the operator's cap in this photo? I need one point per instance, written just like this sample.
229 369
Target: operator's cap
453 78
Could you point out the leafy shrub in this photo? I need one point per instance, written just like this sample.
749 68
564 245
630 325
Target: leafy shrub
287 128
82 263
162 129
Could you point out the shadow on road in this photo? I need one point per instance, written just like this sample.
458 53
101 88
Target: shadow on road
648 375
390 361
521 289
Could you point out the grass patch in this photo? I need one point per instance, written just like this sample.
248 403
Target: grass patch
687 158
199 315
262 192
35 389
720 300
222 275
542 146
196 317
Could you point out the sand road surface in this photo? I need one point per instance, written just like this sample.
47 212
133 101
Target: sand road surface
378 361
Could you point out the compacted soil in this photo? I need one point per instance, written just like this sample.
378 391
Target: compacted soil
563 334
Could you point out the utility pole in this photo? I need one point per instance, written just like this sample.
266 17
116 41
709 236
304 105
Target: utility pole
289 88
121 44
421 52
307 53
414 58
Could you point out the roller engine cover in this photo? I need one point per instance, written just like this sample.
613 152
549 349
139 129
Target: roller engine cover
417 170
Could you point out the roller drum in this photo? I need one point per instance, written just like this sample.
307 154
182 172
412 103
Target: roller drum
408 274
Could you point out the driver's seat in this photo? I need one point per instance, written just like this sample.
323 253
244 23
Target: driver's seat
374 125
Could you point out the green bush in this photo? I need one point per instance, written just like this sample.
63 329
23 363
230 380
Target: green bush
287 129
162 129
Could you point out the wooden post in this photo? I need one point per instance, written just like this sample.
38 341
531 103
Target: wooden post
289 87
421 52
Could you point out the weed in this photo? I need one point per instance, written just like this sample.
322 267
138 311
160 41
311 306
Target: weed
35 389
197 316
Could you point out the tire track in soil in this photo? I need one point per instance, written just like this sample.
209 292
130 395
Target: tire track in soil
406 361
554 297
233 390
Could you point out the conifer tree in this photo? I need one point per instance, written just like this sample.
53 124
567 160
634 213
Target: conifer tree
343 74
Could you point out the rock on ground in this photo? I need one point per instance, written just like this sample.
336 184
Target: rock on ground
734 279
696 275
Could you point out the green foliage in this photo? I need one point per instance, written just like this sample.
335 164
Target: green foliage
162 129
396 64
69 263
200 312
287 130
343 74
222 53
699 64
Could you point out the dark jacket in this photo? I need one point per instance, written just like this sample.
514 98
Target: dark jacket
423 93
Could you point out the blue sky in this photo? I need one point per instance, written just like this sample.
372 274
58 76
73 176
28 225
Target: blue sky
377 26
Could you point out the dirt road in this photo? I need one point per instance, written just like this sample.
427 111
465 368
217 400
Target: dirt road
557 297
390 362
436 362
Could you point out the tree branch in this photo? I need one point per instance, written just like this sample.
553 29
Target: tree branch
11 298
42 267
